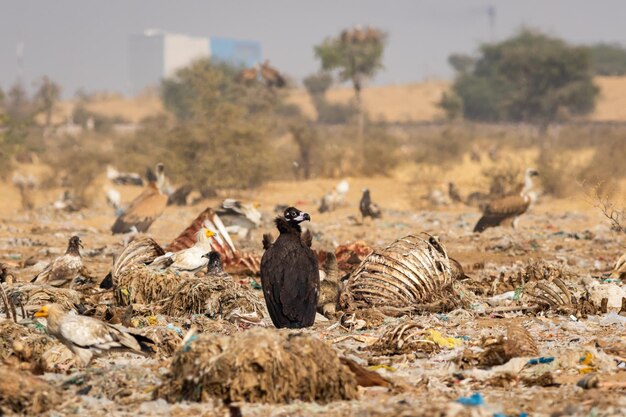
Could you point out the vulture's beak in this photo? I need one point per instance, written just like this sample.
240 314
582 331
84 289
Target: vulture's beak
42 313
303 217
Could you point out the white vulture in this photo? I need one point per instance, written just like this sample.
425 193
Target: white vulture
87 336
191 259
335 198
62 271
123 178
239 218
508 208
145 208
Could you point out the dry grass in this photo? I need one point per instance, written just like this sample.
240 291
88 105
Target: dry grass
392 103
266 366
213 296
113 106
30 297
145 285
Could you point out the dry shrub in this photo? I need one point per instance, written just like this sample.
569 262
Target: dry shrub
380 152
77 161
603 200
145 285
214 296
266 366
31 297
557 173
335 152
609 157
505 177
24 394
425 176
442 146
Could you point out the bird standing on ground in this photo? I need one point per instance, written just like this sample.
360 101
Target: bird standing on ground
508 208
290 274
330 286
145 208
191 259
453 193
367 207
335 198
87 336
62 271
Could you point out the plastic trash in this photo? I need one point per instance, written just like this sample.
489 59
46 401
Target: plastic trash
474 400
542 359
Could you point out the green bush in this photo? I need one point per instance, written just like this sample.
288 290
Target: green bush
529 78
608 59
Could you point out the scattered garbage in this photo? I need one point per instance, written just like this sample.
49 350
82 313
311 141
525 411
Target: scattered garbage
24 394
508 337
474 400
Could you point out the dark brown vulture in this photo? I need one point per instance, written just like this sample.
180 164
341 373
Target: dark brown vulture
290 274
509 208
145 208
272 77
367 207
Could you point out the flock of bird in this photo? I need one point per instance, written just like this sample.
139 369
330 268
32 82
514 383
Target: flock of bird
292 282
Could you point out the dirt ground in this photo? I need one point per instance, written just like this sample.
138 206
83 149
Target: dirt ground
568 233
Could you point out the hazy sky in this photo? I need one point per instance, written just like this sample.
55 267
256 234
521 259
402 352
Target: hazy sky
84 43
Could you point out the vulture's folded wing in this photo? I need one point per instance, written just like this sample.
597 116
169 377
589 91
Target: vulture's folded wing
88 333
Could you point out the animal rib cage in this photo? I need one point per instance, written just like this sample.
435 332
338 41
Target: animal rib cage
408 273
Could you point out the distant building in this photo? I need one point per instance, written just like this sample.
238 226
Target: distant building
155 54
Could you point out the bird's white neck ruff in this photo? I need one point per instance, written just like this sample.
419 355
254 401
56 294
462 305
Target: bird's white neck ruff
528 184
